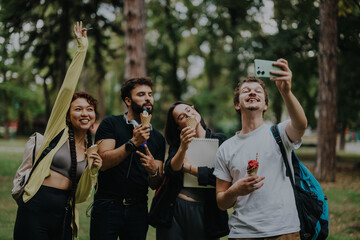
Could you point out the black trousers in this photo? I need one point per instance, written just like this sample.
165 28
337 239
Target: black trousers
42 217
111 219
187 223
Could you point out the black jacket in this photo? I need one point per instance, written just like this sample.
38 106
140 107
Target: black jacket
162 208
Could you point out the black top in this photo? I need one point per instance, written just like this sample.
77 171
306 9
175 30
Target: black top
215 220
129 178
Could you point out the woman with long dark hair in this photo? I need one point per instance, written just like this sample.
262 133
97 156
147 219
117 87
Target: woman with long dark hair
62 178
195 212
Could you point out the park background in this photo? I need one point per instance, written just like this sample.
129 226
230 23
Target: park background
194 51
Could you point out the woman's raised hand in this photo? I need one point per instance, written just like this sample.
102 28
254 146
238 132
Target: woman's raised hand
79 31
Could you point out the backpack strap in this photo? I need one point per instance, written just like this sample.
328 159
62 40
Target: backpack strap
276 134
52 144
34 150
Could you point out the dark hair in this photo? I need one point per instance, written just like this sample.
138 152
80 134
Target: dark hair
74 181
172 132
73 177
249 79
130 84
92 101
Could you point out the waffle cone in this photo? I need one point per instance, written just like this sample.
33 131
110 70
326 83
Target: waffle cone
89 151
145 120
191 122
252 172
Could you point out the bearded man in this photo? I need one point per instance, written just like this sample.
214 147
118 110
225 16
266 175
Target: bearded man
133 156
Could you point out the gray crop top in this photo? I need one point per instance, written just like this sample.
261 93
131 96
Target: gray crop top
61 163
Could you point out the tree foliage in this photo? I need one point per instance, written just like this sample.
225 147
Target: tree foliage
38 35
197 51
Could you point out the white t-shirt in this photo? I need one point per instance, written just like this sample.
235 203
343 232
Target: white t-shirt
270 210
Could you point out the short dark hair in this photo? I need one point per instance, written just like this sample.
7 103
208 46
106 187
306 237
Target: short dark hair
130 84
249 79
172 132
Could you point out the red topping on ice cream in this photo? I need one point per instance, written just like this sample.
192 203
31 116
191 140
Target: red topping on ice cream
252 164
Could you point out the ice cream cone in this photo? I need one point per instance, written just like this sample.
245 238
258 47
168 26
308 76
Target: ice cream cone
93 149
191 122
145 120
252 168
252 172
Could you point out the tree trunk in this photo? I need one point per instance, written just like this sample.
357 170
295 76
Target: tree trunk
211 75
342 137
135 24
61 44
100 75
5 113
277 106
176 87
22 123
47 100
325 165
235 73
101 98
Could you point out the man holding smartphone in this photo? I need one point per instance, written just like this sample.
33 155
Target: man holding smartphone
264 203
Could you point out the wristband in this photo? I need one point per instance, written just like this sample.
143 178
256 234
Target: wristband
130 146
155 174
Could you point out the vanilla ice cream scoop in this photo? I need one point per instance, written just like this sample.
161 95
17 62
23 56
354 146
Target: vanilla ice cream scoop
145 118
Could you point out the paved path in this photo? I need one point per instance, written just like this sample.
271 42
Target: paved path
352 147
11 149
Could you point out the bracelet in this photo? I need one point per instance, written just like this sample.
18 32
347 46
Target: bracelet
132 143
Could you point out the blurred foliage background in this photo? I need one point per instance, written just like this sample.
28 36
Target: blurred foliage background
197 51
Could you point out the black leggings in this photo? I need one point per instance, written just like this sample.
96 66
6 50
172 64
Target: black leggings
42 217
187 223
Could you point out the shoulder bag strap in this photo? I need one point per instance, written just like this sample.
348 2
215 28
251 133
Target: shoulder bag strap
52 144
276 134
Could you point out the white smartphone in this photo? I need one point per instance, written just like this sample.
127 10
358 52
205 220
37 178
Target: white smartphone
263 68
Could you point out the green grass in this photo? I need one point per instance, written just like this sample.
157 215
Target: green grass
344 200
18 142
9 163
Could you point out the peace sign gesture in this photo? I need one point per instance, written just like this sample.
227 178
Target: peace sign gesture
148 161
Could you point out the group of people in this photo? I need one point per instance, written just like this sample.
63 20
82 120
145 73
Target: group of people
131 158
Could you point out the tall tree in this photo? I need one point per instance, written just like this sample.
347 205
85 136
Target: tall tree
296 40
42 32
135 26
327 62
348 71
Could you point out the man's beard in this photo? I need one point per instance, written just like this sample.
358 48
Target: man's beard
137 109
